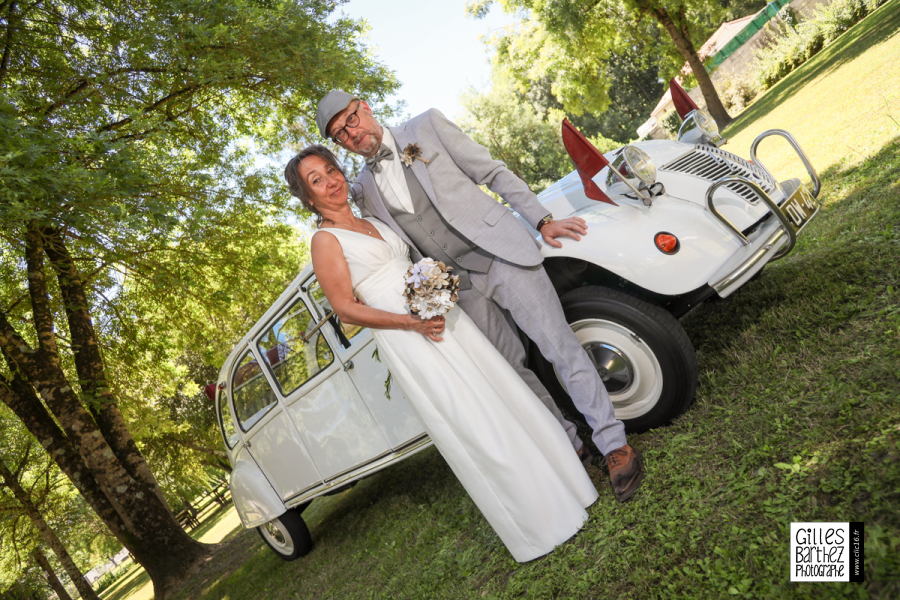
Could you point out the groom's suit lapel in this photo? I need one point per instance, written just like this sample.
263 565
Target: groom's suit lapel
403 136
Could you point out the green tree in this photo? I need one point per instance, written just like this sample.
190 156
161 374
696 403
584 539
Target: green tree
528 140
615 94
38 507
123 151
516 134
587 32
30 505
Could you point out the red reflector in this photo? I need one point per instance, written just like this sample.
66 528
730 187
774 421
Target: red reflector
666 242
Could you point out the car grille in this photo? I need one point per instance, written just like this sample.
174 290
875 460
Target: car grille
711 163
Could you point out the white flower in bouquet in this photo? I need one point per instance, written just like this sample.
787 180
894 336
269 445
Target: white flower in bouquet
430 288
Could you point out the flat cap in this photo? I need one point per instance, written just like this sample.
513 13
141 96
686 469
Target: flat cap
334 102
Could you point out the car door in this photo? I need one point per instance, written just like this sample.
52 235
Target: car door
270 437
319 400
386 401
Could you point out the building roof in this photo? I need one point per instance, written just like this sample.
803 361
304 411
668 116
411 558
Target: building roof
723 35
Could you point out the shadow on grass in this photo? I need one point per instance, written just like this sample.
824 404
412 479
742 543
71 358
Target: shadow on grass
127 584
421 479
872 30
135 577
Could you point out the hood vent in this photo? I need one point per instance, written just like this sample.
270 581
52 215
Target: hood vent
711 163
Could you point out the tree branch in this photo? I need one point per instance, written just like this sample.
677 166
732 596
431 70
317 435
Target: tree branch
150 108
7 42
20 397
89 365
37 289
19 354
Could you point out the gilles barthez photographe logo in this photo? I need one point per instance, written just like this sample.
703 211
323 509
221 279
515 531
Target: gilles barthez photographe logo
827 552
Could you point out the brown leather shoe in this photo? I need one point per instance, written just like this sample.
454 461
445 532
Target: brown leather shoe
626 470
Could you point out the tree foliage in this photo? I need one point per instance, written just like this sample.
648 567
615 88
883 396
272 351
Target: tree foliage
587 33
137 230
526 138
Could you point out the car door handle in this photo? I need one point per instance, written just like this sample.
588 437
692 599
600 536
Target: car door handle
348 365
247 445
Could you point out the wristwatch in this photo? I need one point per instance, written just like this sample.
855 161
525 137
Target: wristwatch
543 222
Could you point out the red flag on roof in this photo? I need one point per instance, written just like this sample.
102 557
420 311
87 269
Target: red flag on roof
683 102
588 160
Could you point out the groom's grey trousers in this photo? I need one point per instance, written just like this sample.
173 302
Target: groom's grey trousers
530 300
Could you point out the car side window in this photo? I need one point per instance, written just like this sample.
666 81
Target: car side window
229 433
253 396
324 307
292 354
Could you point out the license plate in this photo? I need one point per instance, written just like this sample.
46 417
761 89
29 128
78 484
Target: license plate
800 207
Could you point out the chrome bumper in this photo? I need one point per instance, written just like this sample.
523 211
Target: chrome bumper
772 242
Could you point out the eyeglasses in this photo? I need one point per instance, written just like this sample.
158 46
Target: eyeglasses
341 135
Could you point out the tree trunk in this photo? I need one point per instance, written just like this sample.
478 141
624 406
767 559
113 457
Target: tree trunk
21 398
95 391
47 534
682 40
52 579
139 520
91 444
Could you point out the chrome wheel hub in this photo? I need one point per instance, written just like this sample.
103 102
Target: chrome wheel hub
612 364
279 538
626 364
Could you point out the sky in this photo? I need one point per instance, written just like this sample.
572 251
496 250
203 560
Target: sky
433 47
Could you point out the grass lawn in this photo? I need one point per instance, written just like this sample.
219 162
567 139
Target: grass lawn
218 524
842 106
796 417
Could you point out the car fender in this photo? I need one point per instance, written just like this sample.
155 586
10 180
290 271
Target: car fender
620 239
254 498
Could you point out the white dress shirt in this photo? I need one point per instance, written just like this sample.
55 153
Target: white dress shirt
390 179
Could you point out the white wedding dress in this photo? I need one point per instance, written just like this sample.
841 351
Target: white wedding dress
510 454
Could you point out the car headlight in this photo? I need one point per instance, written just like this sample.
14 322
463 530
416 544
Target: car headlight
632 168
640 163
700 128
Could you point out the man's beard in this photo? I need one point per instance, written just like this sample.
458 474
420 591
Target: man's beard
369 145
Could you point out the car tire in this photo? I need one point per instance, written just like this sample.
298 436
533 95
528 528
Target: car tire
287 535
644 356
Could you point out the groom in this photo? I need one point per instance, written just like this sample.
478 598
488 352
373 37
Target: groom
422 178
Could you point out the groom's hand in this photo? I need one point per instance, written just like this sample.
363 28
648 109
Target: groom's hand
572 227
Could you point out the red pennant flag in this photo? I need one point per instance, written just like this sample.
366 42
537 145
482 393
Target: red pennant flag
588 160
683 102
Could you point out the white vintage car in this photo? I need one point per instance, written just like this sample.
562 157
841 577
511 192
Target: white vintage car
302 399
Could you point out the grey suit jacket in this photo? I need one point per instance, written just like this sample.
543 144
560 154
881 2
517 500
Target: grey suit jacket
456 166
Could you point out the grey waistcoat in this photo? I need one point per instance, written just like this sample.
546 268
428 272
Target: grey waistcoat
435 238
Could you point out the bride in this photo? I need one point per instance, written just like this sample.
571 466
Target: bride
504 446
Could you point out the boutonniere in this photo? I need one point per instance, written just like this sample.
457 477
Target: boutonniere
412 153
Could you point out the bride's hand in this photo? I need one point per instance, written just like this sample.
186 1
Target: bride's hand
430 328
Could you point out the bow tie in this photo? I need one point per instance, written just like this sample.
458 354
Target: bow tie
384 153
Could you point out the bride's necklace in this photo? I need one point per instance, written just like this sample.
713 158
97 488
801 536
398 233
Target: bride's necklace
366 227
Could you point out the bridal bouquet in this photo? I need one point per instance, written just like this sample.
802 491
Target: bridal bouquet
430 288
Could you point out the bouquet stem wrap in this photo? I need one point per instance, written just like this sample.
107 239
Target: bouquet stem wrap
430 288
